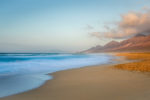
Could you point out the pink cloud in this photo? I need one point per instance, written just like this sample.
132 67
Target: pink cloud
131 23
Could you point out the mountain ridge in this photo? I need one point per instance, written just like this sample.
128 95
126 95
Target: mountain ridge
139 42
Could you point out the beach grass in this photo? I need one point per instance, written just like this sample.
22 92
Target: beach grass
141 62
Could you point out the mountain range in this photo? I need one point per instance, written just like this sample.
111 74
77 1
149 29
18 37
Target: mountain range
138 43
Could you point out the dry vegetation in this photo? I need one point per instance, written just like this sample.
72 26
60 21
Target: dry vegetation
142 65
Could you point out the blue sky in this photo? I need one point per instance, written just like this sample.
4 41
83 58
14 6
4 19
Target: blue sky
58 25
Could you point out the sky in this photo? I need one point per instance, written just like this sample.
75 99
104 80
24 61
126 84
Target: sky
66 25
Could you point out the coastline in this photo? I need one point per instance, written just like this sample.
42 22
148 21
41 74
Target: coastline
34 72
91 83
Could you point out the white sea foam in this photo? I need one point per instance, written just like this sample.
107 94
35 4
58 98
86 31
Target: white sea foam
26 72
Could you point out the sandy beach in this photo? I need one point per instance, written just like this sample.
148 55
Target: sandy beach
91 83
74 50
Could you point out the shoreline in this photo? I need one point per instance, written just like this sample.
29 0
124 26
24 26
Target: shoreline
28 83
91 83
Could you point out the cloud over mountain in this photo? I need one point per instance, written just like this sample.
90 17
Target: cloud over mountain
131 23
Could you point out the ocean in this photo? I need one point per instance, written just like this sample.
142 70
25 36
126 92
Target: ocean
21 72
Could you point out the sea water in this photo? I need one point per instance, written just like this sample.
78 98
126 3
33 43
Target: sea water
24 72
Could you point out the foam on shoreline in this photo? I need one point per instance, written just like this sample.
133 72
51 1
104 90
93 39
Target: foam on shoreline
30 72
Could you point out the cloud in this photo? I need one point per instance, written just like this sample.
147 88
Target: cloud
131 23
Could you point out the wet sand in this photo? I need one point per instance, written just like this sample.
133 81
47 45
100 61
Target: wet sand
91 83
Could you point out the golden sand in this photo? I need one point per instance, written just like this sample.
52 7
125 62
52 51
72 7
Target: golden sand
91 83
142 62
94 83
